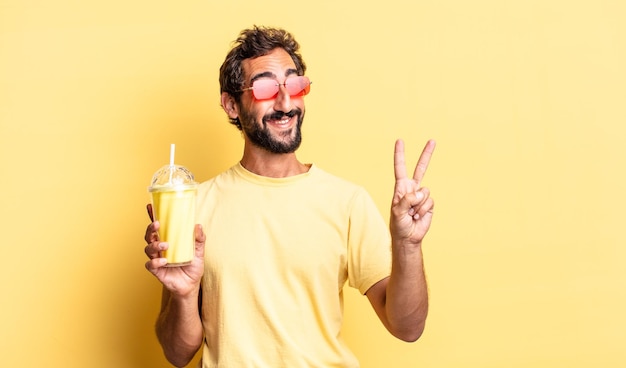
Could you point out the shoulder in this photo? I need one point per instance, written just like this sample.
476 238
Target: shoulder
224 179
324 177
338 187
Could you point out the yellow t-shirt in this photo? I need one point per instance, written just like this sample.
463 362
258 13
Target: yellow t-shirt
277 255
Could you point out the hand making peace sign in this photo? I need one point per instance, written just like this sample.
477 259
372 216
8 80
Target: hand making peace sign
412 206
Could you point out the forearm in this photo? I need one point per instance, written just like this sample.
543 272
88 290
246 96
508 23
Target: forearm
406 305
179 327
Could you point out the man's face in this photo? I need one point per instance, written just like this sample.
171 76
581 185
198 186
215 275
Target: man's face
273 124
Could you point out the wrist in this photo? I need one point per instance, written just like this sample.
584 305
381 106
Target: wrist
406 255
190 295
406 247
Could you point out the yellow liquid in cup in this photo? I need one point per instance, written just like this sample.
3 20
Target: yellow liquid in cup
176 212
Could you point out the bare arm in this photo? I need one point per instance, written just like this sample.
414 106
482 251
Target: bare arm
179 326
401 300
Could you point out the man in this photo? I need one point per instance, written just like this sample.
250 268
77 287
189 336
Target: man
277 239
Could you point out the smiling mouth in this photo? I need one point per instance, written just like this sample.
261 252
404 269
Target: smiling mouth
280 119
282 122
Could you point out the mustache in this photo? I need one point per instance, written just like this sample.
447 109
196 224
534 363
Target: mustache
278 115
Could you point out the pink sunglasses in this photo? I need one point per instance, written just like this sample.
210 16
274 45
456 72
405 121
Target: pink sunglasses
265 89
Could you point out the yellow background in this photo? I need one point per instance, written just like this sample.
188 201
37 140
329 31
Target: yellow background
526 99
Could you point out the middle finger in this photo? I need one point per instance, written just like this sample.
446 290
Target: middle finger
153 250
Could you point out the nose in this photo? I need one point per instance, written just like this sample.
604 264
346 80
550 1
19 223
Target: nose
283 100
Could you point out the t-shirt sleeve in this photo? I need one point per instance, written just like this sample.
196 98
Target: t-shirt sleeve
369 244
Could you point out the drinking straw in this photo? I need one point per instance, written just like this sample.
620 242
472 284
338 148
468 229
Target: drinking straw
172 152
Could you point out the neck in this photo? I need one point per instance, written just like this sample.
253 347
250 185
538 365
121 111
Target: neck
273 165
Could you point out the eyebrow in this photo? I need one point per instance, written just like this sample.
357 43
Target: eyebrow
288 72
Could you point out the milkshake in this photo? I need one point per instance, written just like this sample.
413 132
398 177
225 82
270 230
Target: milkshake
173 192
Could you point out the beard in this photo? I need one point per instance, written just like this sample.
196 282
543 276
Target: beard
261 136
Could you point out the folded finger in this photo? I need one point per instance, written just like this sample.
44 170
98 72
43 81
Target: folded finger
426 208
155 264
152 232
154 250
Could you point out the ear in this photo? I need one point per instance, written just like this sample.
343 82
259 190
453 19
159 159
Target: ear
230 105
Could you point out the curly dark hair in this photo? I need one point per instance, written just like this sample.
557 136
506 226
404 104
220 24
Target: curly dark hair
252 43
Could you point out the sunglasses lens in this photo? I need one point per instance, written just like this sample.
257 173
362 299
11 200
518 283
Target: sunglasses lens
298 86
264 89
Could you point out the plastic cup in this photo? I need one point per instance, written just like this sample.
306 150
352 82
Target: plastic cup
173 192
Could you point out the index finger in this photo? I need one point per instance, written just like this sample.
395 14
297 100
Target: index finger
424 160
399 166
150 213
